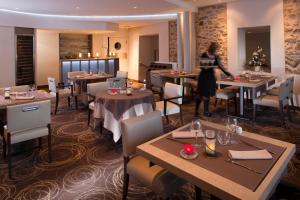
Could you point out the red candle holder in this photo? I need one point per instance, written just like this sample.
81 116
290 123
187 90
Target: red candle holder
188 149
113 90
237 78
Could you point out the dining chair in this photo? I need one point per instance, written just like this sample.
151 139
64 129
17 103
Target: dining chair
26 122
122 74
172 101
275 91
136 131
117 83
92 90
280 101
73 74
61 91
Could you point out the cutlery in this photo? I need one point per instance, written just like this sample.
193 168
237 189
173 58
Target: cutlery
259 148
242 165
173 139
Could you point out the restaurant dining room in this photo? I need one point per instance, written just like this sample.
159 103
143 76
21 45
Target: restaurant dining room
146 100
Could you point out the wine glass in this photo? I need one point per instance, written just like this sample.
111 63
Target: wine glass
196 128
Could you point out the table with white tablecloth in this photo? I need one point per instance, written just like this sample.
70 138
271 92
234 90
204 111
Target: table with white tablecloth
114 108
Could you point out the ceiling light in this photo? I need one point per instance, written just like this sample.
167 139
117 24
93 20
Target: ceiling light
135 7
17 8
77 7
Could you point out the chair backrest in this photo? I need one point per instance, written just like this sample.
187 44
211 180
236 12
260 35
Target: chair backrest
122 74
52 84
93 88
173 90
284 92
76 73
28 116
136 131
117 83
156 80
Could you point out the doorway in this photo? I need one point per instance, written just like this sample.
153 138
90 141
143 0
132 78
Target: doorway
148 53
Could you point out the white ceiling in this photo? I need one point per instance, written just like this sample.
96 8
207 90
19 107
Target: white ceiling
106 8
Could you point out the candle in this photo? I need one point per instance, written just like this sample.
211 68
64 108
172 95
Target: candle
188 149
79 55
210 141
97 55
89 55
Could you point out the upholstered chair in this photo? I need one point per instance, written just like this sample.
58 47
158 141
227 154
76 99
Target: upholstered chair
275 91
136 131
157 84
280 101
73 74
172 101
26 122
122 74
92 90
62 91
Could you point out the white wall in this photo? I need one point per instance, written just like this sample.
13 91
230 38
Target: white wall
47 56
7 56
251 13
161 29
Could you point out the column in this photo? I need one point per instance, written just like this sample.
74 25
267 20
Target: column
179 41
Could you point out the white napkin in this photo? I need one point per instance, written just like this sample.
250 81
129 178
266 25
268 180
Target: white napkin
243 155
186 134
24 97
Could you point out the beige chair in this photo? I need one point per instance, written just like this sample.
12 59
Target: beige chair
275 90
92 90
172 101
27 122
136 131
122 74
62 91
280 101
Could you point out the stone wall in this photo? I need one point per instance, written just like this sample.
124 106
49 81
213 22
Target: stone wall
173 41
71 44
211 26
292 35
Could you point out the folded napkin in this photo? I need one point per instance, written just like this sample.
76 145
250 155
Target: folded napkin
243 155
24 97
254 80
18 93
186 134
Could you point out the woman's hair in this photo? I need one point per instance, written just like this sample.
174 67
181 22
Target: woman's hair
213 48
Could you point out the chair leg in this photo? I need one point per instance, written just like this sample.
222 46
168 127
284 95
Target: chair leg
40 142
101 126
69 101
167 119
180 115
9 155
216 102
4 149
198 193
289 113
56 104
292 104
235 105
89 117
254 112
125 179
49 144
76 103
281 113
227 106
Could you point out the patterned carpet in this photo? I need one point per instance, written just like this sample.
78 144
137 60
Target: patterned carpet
87 165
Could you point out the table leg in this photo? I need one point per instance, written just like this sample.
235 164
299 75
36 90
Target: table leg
241 101
198 193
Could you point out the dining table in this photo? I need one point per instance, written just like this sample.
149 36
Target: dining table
220 175
176 75
257 83
117 106
81 81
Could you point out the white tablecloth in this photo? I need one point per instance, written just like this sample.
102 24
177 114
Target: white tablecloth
114 125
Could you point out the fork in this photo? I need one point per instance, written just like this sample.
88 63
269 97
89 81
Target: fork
241 165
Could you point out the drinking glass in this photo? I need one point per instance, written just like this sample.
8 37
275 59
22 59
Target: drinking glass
231 125
223 137
196 128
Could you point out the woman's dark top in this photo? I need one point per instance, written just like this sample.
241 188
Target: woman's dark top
207 81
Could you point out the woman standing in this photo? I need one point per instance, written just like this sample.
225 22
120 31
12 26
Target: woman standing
206 86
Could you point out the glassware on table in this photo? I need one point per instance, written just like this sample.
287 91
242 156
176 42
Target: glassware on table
210 142
196 128
231 128
223 137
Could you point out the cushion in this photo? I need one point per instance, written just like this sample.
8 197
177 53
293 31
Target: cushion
21 136
161 181
92 105
273 91
172 108
225 94
267 100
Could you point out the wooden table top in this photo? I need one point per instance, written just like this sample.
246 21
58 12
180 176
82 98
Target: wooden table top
215 183
254 82
39 95
175 74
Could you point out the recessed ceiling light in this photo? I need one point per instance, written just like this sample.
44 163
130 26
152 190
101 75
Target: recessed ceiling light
77 7
135 7
17 8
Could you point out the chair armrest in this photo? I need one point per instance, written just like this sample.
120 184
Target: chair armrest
170 100
92 97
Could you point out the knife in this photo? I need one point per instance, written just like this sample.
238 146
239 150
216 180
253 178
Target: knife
241 165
